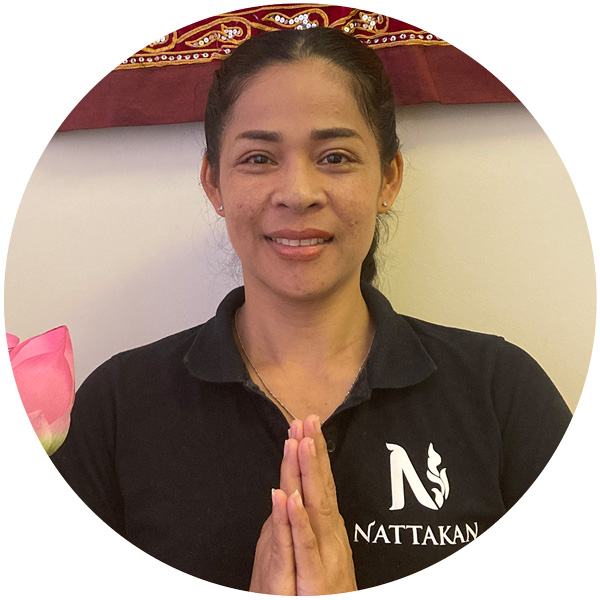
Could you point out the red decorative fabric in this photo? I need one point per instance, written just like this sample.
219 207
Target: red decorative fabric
168 80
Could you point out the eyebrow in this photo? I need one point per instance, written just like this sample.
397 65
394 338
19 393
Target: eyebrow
260 134
333 132
315 135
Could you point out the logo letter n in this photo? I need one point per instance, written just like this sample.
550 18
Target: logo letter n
401 467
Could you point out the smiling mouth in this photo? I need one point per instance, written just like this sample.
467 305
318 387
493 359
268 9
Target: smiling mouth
303 242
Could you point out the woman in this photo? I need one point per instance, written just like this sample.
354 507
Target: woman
308 440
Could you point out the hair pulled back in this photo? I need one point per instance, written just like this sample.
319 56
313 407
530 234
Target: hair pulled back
369 81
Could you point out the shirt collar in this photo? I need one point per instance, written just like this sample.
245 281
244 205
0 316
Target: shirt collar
397 359
213 355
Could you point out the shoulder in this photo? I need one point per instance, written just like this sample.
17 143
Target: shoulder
446 343
524 398
448 335
517 382
164 349
507 370
147 362
410 350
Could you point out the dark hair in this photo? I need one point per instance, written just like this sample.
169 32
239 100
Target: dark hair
370 85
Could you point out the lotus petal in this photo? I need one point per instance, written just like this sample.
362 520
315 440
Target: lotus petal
51 437
44 374
55 341
12 341
45 383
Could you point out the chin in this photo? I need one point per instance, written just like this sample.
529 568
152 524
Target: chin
309 289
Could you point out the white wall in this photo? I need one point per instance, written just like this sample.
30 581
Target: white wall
115 239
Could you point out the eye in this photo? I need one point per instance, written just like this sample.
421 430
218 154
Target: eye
335 158
258 159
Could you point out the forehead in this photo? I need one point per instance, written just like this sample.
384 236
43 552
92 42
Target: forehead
310 92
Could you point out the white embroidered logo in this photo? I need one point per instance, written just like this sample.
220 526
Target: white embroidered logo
401 467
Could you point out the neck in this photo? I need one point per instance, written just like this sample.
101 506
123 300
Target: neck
279 330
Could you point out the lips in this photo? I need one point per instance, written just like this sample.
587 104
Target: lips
305 244
304 237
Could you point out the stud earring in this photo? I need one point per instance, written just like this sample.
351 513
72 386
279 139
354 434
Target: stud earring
220 208
384 204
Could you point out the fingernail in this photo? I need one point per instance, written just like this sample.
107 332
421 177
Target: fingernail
286 445
311 445
273 495
297 498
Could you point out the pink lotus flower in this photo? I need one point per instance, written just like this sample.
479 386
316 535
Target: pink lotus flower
43 370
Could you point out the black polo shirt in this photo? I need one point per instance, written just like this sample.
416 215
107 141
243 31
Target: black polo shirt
173 445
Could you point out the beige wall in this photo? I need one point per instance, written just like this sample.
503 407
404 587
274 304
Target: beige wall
114 238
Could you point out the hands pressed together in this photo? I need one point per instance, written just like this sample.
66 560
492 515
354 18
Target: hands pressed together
303 549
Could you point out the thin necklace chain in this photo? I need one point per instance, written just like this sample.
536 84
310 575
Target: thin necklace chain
277 400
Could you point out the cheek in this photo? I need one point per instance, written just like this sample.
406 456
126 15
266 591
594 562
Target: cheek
241 215
242 200
360 236
359 205
239 206
361 221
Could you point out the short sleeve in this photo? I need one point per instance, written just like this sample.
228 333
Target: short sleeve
532 416
86 459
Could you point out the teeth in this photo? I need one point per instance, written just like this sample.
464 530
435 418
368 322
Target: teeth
306 242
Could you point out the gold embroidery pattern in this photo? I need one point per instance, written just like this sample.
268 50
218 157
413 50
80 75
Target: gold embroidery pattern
214 39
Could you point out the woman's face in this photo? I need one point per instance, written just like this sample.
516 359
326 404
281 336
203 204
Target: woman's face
300 180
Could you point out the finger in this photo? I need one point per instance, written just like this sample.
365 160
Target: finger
312 428
321 512
289 476
282 557
296 430
306 548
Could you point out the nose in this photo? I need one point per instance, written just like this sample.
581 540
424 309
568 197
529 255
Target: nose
299 187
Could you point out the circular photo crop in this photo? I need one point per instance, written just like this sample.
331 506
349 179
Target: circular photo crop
300 300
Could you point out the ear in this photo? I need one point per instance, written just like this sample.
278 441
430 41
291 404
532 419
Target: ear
391 183
210 183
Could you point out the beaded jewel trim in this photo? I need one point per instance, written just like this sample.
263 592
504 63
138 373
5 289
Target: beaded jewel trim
215 38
